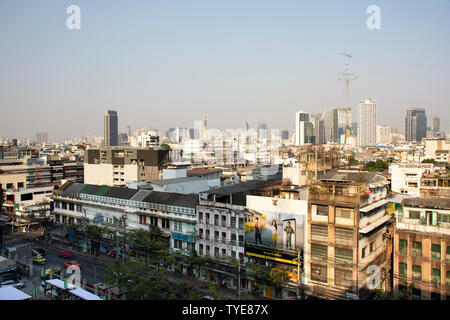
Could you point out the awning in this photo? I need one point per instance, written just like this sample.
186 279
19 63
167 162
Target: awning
60 284
83 294
374 205
11 293
375 224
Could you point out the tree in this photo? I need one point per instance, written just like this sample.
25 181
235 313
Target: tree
164 146
429 161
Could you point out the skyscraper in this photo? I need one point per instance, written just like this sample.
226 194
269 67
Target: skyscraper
319 133
367 123
436 125
330 124
304 129
204 126
415 124
41 137
111 122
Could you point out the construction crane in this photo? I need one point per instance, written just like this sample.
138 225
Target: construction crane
347 76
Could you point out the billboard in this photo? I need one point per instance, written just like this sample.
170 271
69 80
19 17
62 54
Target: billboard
275 228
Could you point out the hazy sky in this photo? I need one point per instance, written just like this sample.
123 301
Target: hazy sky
165 63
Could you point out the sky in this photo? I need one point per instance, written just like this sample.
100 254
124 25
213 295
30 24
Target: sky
165 63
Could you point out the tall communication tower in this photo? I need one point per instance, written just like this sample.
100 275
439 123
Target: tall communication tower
347 76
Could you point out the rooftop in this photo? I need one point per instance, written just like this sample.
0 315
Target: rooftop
427 203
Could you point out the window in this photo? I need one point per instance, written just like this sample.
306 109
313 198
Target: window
443 217
416 294
71 207
319 253
216 235
224 237
200 217
322 210
19 184
224 221
9 186
224 252
26 196
343 236
319 273
414 214
435 296
233 222
448 254
403 246
372 246
200 233
436 276
319 233
207 234
216 252
207 218
343 277
64 205
447 274
178 244
216 219
344 213
142 219
435 252
416 249
165 223
79 207
363 253
201 249
417 272
343 257
402 269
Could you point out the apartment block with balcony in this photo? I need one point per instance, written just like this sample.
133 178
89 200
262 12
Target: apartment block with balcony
347 236
422 249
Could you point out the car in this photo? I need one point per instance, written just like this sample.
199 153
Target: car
12 283
65 254
72 263
38 260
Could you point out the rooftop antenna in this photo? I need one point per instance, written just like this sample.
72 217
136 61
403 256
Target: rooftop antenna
347 76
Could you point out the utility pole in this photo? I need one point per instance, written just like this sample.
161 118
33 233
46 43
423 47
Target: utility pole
85 228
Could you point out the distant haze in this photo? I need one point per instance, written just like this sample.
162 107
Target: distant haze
163 64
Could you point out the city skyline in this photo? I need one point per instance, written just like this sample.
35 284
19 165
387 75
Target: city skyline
165 65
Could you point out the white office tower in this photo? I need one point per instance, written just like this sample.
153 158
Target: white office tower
303 129
367 122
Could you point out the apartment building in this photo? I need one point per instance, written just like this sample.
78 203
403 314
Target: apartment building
18 174
405 177
174 214
220 226
422 249
347 236
113 166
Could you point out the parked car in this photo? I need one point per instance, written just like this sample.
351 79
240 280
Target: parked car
72 263
12 283
65 254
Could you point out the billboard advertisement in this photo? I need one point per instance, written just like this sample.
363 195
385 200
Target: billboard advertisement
275 228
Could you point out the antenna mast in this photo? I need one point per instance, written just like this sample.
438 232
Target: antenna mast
347 76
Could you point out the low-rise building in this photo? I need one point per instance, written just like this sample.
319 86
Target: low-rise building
174 214
422 249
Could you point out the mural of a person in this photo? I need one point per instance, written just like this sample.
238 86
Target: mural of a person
274 232
257 231
289 232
